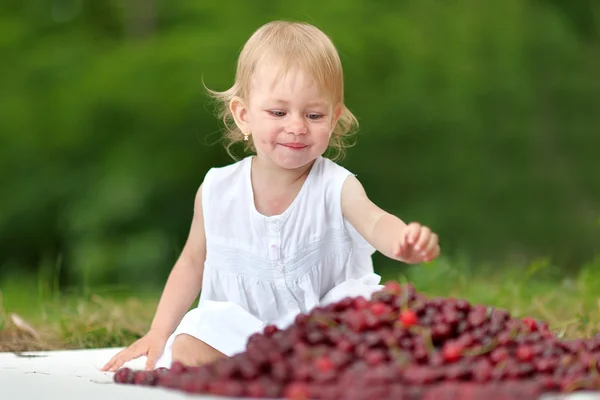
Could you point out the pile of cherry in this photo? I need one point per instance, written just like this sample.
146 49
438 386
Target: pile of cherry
397 345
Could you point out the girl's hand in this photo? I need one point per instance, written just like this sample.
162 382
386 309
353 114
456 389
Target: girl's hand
417 244
150 345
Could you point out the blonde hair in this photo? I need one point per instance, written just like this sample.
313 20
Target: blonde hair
292 44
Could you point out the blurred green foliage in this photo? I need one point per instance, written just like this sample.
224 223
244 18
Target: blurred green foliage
478 118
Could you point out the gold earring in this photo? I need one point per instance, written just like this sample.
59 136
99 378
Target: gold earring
246 137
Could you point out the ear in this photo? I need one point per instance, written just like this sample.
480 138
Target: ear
337 113
240 113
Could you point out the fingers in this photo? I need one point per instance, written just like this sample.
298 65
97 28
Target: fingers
122 357
413 231
404 249
116 362
433 254
112 362
153 356
420 244
432 248
423 240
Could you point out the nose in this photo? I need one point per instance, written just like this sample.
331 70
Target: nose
296 125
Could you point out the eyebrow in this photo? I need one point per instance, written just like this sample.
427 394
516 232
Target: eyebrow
311 104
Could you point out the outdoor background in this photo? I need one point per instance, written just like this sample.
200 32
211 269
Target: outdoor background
480 119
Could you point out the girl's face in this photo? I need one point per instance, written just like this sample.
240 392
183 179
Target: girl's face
290 119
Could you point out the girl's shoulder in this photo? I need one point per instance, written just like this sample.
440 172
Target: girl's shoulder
225 172
326 182
331 172
228 169
222 179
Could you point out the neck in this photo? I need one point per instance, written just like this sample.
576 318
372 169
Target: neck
277 176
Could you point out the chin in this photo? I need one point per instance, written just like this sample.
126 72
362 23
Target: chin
294 162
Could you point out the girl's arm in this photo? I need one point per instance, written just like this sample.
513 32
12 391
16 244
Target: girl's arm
182 287
412 243
185 280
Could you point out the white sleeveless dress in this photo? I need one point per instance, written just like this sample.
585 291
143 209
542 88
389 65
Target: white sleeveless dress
263 270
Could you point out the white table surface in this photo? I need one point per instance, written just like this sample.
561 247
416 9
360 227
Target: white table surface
75 374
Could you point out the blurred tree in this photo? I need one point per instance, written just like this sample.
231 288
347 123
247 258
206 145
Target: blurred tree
141 18
477 118
583 15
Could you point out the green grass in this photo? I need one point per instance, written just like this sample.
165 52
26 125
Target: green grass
76 319
111 317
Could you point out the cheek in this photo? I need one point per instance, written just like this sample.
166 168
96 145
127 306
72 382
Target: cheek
266 138
323 132
264 125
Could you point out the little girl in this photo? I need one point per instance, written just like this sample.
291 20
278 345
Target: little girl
285 230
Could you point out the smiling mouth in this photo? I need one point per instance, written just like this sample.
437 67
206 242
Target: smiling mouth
294 145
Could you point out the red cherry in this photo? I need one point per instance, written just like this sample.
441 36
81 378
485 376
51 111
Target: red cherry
269 330
524 353
379 309
451 351
393 287
324 364
408 318
530 324
360 303
296 391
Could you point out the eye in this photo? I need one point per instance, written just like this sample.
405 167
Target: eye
277 113
314 116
